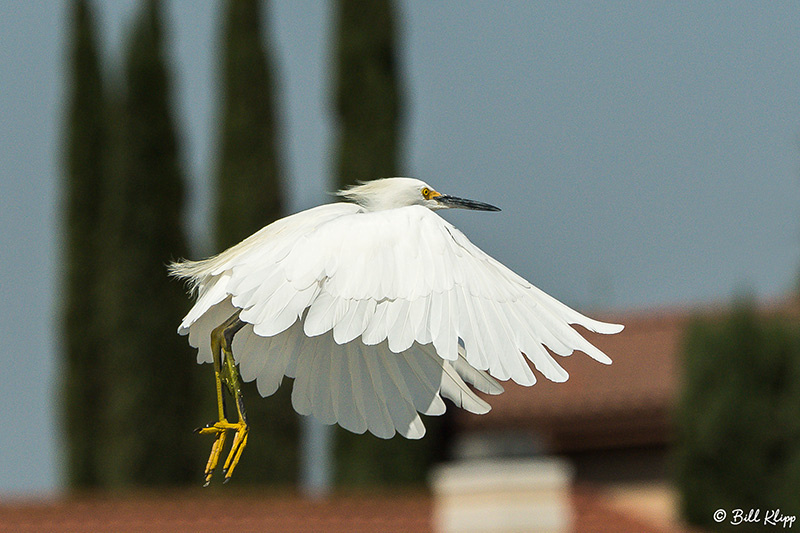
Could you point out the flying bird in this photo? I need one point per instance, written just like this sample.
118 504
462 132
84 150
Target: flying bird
378 308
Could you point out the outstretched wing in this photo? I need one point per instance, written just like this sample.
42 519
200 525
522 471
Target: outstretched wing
401 279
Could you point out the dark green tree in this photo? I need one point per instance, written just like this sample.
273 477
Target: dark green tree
249 196
738 418
368 100
85 155
150 411
368 108
248 175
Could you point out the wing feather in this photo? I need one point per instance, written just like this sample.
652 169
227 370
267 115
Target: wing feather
477 378
418 319
354 322
322 388
424 374
355 369
446 335
454 389
400 331
324 313
246 347
200 331
277 359
397 398
302 393
377 415
470 330
209 296
376 331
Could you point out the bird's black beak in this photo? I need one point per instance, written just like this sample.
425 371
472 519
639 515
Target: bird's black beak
461 203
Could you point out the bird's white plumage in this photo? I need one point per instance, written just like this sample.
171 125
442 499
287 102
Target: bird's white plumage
375 313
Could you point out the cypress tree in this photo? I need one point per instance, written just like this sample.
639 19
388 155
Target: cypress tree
368 106
368 99
249 197
146 435
84 176
248 174
738 418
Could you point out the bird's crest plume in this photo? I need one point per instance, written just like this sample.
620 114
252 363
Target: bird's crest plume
384 193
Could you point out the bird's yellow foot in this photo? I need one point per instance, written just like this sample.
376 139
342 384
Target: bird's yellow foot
220 430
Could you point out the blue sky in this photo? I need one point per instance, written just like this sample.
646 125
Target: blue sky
645 154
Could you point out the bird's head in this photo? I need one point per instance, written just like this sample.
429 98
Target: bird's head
388 193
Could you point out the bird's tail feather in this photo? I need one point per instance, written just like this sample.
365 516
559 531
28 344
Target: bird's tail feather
192 272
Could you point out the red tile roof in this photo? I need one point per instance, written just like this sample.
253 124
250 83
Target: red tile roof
254 510
221 510
599 405
625 404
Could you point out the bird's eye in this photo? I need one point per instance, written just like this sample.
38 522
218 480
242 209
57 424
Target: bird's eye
426 193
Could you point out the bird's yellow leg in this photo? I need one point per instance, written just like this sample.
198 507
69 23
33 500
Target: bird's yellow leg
217 337
225 372
242 429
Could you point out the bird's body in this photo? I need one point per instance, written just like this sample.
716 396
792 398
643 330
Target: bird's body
377 309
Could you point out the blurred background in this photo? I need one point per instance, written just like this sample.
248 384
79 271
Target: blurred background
646 158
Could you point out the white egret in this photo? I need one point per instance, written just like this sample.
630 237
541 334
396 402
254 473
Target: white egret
377 308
